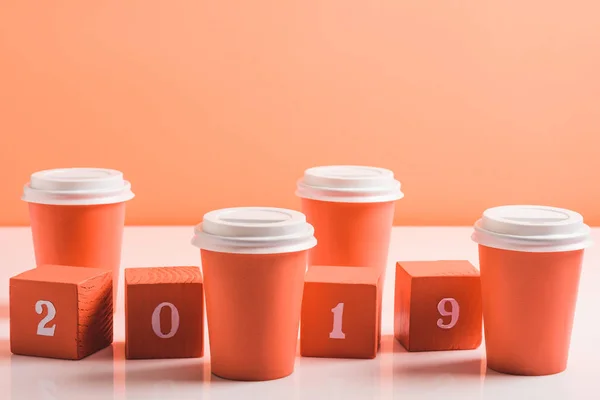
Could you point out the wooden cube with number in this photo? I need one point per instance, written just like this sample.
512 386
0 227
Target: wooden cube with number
61 312
164 312
340 312
437 305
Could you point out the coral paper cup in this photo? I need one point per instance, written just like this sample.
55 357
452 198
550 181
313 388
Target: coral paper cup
254 261
530 259
352 210
350 234
77 217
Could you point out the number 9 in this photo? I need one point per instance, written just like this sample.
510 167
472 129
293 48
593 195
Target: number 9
454 311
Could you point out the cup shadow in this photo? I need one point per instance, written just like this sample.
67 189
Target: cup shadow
5 349
142 372
4 311
389 344
106 355
474 367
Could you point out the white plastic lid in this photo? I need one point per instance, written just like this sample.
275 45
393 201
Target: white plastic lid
77 186
254 230
532 228
349 184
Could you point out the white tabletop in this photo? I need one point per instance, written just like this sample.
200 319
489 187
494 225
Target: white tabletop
394 373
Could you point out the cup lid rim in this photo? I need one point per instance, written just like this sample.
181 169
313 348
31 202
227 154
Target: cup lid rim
254 230
77 186
532 228
349 184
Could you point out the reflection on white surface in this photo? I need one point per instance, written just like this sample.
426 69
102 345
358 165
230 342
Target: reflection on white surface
49 379
393 374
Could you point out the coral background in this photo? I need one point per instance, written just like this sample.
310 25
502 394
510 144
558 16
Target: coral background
208 104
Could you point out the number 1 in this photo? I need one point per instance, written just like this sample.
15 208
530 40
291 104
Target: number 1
338 312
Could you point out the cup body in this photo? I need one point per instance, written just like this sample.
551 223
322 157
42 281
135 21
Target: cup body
254 260
528 307
79 235
350 234
253 304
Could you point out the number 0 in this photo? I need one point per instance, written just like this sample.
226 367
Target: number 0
174 321
454 310
42 329
338 313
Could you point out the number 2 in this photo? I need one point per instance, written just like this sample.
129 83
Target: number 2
336 332
174 321
42 329
454 311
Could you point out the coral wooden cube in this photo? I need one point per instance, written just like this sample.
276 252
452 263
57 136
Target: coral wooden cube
61 312
437 305
164 312
340 312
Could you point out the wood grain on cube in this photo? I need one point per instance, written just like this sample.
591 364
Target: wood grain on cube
61 311
340 312
437 305
164 312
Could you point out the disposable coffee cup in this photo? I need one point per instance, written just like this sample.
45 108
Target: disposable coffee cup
352 210
530 261
254 260
77 217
